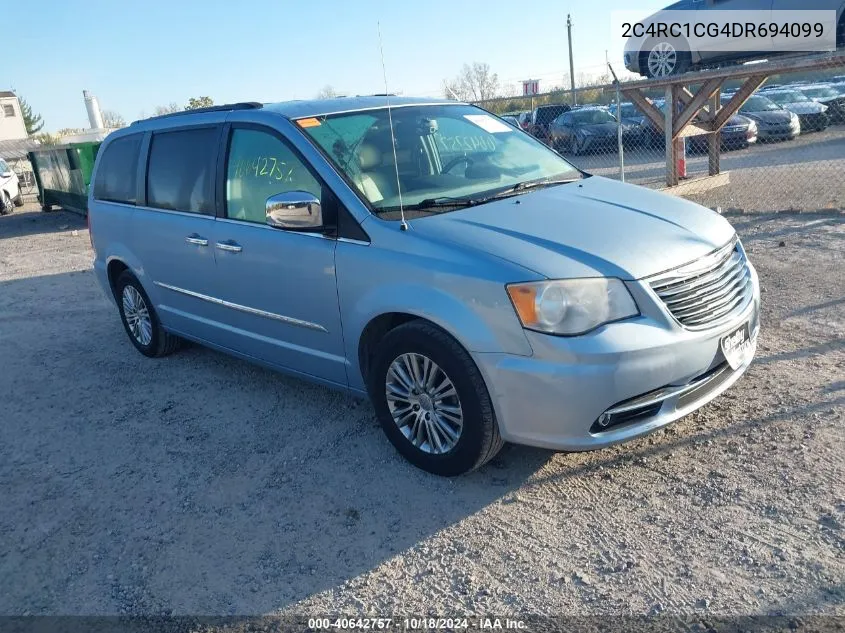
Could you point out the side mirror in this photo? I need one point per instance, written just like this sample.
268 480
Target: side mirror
295 210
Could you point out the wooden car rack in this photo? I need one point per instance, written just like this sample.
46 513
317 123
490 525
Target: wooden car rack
700 111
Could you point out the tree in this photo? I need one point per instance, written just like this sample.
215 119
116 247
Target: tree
474 83
112 119
32 121
199 102
327 92
47 140
168 109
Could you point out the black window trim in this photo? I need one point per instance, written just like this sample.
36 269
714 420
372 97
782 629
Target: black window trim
145 165
340 218
101 154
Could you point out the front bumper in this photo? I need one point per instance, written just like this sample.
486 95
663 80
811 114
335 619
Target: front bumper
816 121
650 365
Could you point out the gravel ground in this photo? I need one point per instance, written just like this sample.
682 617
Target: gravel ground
804 174
202 484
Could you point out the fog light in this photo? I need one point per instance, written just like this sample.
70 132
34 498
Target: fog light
604 420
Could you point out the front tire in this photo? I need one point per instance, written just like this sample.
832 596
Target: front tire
432 402
662 58
6 204
18 200
140 319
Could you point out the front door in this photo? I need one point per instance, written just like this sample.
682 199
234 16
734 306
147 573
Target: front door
279 286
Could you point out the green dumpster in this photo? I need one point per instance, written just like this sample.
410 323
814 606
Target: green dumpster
63 175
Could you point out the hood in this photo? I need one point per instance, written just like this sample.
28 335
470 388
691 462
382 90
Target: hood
805 107
598 129
771 117
737 121
593 227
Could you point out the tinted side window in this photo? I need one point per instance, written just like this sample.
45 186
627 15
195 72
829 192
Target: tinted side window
180 174
118 171
260 165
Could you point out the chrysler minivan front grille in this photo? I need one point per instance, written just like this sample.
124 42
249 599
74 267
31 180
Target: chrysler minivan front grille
709 291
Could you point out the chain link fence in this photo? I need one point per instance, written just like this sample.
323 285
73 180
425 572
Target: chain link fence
783 150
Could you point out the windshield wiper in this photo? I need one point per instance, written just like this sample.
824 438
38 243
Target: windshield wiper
440 202
528 184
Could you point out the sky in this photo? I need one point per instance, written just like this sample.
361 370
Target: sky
137 55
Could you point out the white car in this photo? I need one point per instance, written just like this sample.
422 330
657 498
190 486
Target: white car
10 193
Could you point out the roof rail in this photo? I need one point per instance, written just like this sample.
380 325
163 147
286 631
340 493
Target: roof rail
228 107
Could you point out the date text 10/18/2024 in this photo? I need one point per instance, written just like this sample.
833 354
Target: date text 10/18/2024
414 624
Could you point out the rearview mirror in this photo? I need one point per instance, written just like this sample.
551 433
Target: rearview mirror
294 210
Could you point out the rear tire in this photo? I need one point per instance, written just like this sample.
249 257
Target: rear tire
477 440
140 319
18 200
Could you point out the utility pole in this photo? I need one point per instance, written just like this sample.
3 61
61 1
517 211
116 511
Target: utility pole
571 61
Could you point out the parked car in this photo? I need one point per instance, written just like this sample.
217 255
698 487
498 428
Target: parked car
469 280
585 129
542 117
635 125
525 120
828 96
774 123
663 55
813 115
10 192
738 133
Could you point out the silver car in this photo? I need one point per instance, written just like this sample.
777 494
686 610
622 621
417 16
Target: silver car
469 280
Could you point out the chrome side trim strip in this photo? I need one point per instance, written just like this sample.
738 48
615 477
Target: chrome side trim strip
236 306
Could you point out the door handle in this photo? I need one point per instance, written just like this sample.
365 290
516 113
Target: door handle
229 246
193 238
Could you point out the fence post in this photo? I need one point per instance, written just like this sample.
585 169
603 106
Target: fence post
668 122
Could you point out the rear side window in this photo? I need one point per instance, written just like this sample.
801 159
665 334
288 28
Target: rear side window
180 175
118 170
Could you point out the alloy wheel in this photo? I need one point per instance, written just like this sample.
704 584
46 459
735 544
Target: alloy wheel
662 60
424 403
137 315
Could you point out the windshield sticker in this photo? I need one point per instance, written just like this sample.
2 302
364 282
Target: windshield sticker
488 123
466 143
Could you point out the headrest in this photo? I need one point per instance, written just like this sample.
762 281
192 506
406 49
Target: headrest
369 156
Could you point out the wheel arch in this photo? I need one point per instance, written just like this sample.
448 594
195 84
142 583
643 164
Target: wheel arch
392 306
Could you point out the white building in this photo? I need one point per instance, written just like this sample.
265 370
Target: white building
11 119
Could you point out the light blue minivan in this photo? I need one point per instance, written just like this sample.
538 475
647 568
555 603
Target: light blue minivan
469 280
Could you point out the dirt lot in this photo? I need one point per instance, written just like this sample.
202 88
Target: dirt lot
804 174
202 484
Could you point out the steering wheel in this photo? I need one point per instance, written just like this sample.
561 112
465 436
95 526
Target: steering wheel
455 162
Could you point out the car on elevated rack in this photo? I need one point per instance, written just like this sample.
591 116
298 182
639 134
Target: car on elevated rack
813 115
475 285
655 54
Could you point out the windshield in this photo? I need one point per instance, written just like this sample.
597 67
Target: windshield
758 104
455 152
592 117
629 111
787 96
822 92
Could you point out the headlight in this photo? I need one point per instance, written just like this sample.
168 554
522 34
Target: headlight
583 131
571 306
